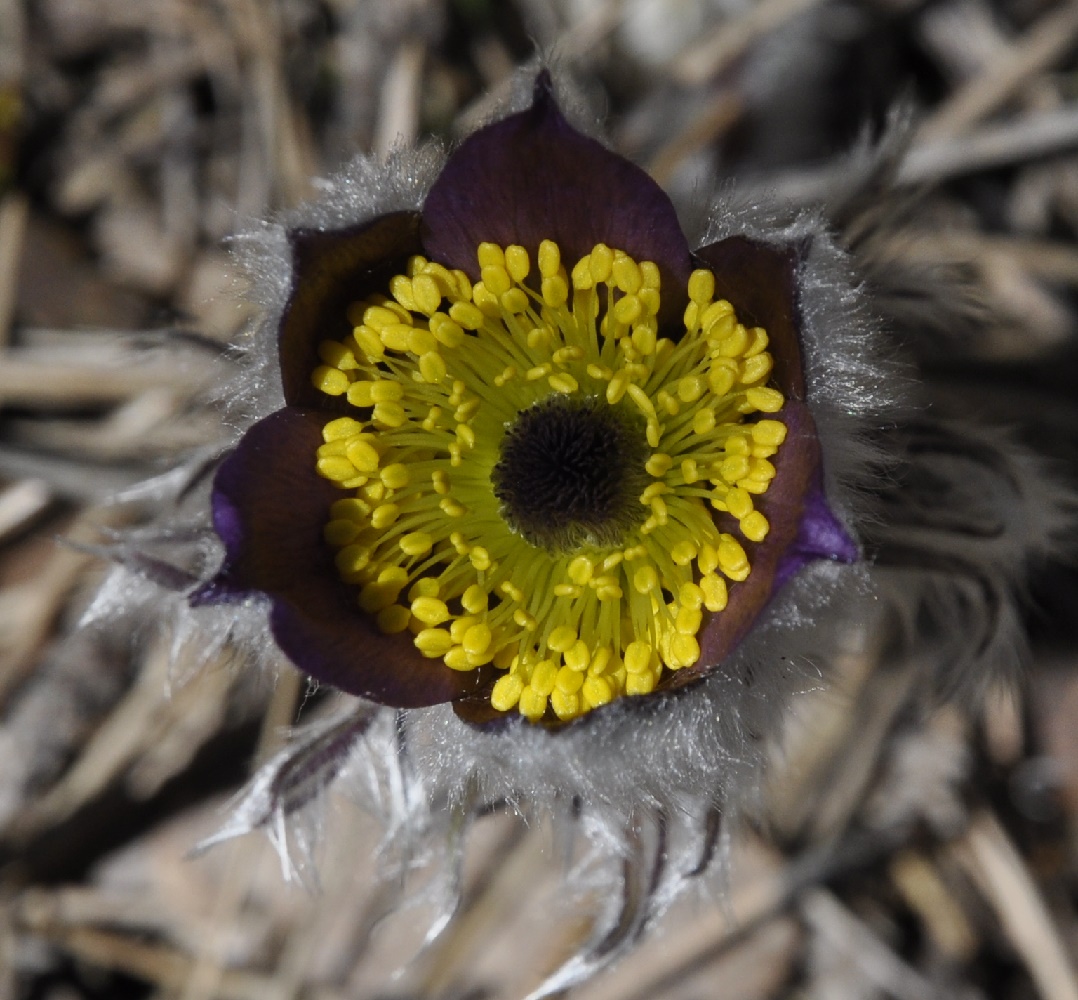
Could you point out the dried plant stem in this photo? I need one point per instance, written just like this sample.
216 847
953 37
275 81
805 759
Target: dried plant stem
935 158
988 854
706 59
398 112
1044 44
14 211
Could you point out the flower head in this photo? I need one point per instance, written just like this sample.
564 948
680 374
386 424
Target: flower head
537 456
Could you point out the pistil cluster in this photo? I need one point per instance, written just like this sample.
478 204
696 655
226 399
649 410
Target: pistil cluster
466 523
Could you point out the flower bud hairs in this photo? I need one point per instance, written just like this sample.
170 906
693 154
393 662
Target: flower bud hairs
573 508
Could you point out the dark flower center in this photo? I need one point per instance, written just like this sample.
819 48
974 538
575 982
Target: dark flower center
570 473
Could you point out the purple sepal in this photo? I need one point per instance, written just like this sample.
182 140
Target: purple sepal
820 536
532 177
270 508
760 282
330 270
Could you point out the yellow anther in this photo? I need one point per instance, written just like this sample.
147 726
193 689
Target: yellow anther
628 310
447 332
638 684
352 559
517 263
756 369
507 375
561 638
467 409
400 288
425 586
619 383
609 592
477 639
627 274
714 590
645 579
466 315
652 491
601 262
375 596
544 676
690 595
475 599
733 345
721 379
612 560
755 527
525 619
375 492
331 381
538 372
459 626
496 280
352 509
340 532
416 543
393 619
703 422
384 515
734 468
732 559
549 258
369 343
390 414
336 355
691 388
506 692
466 436
690 471
432 367
688 620
684 650
539 338
670 406
430 421
336 468
769 432
457 540
451 508
480 558
379 317
563 382
708 559
577 656
581 274
599 372
555 291
396 337
764 399
395 476
638 657
658 465
701 287
738 502
515 301
512 591
490 255
532 705
458 658
440 479
564 355
761 470
718 318
635 552
600 660
567 590
597 692
433 642
580 570
341 429
644 338
569 680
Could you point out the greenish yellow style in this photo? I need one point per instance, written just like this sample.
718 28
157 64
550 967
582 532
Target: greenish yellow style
440 371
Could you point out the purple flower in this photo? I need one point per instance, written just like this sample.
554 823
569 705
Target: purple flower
536 454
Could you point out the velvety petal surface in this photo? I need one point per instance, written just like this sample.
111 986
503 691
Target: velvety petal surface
760 281
269 508
532 177
331 269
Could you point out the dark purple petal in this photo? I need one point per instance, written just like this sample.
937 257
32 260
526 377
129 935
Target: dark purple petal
269 508
802 529
532 177
760 282
331 269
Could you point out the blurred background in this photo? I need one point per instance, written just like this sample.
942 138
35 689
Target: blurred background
899 850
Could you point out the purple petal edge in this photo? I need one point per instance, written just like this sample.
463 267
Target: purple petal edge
269 508
820 535
531 177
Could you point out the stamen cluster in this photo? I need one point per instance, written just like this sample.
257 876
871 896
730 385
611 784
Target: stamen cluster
440 372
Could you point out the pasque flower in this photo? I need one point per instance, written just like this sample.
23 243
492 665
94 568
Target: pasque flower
536 455
572 508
